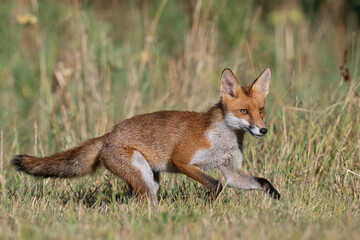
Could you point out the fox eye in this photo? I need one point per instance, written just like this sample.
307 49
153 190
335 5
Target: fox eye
261 110
244 111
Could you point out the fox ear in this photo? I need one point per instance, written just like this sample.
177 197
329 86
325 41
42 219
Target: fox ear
261 85
229 84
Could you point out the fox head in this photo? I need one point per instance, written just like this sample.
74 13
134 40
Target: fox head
244 107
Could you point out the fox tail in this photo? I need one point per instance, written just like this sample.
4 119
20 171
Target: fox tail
75 162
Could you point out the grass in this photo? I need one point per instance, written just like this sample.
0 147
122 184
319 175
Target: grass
80 67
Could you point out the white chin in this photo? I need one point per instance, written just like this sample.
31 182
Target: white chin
257 135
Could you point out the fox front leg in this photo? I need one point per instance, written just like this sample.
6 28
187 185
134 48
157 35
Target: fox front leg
238 178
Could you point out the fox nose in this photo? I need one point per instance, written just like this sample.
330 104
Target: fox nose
263 130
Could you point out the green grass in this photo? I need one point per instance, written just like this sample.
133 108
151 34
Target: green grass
81 68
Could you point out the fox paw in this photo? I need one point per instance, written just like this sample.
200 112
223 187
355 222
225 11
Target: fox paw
268 188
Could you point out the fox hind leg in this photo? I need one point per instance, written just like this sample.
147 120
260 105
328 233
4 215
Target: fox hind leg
157 183
132 167
151 180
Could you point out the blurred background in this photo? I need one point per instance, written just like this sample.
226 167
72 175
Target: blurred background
69 70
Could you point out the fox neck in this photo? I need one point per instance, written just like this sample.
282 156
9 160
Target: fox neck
216 115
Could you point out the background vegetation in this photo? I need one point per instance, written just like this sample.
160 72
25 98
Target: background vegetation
69 70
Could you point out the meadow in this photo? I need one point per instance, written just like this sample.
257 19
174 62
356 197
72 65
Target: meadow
70 70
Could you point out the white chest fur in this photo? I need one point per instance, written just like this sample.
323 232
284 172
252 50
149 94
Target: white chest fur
224 148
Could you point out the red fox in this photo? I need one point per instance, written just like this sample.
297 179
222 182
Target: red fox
139 148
